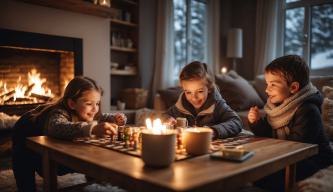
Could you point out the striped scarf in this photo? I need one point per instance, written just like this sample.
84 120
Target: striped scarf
279 116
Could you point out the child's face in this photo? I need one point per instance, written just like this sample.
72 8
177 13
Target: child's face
86 106
277 88
196 92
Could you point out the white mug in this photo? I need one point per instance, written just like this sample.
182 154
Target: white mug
121 105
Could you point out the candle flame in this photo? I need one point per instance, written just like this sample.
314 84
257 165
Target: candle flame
156 127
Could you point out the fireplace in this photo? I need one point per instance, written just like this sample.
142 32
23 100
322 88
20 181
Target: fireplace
35 68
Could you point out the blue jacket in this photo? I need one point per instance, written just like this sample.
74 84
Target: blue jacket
214 113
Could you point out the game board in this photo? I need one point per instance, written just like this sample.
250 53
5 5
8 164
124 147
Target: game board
180 154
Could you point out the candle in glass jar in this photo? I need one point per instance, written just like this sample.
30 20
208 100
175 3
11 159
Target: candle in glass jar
197 140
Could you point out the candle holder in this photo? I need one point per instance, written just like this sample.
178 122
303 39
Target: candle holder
197 140
158 150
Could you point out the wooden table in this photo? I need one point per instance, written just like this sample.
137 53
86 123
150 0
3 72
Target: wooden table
195 174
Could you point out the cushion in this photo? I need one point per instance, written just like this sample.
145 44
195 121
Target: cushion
238 92
170 95
320 181
321 81
260 85
327 111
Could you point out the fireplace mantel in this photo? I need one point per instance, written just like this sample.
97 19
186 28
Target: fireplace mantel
75 6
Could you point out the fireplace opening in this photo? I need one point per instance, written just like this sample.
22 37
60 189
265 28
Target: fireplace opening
35 68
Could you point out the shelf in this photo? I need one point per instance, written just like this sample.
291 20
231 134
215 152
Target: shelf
121 22
75 6
122 72
131 50
130 2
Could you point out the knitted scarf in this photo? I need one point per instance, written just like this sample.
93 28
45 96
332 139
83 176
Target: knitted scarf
279 116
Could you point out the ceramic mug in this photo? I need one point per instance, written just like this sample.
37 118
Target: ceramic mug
181 122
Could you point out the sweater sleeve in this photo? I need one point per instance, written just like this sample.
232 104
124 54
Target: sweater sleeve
261 128
60 126
306 125
230 123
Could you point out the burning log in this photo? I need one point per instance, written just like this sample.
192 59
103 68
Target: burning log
41 97
29 89
8 94
19 100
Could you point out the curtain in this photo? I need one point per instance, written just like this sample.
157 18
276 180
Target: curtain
213 31
162 77
266 42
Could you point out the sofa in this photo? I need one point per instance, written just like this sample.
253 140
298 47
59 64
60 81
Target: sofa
239 93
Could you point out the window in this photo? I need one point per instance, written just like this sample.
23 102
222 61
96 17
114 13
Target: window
190 32
308 31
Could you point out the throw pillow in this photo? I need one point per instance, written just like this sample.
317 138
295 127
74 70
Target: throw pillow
169 96
238 92
327 111
320 181
321 81
260 86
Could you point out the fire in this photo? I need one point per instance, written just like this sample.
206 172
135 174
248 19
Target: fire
19 89
34 92
34 79
156 127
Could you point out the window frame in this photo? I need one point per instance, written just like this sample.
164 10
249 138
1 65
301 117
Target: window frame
189 34
307 4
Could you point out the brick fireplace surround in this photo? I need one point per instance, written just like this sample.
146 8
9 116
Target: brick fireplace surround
57 58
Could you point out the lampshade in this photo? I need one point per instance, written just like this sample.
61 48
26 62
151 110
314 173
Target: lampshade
235 43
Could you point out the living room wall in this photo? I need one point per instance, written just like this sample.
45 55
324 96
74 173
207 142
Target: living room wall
239 14
93 30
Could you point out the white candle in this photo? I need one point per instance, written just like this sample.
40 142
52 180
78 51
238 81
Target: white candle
197 140
158 144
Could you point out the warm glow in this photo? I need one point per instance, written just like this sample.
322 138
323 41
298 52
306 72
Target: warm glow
35 85
19 90
34 78
104 2
156 127
224 70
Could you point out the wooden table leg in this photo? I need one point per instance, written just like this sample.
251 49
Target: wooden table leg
49 173
290 177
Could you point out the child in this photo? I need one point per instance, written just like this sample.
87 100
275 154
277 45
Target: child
76 114
201 103
293 111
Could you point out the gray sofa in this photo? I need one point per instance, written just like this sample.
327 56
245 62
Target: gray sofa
239 93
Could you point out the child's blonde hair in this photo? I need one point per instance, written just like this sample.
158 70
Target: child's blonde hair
197 70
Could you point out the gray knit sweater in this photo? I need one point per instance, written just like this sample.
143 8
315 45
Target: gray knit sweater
61 124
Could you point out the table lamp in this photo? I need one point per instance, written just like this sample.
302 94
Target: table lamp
235 45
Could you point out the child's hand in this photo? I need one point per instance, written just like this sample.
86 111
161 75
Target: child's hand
120 119
253 115
104 128
171 121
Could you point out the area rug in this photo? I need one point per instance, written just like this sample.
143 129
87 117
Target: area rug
7 183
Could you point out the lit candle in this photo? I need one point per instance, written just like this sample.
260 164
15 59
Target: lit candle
158 144
224 70
197 140
104 3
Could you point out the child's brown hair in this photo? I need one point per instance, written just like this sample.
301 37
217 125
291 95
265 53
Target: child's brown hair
74 90
292 68
197 70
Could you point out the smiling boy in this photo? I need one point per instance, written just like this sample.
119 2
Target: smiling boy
293 111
